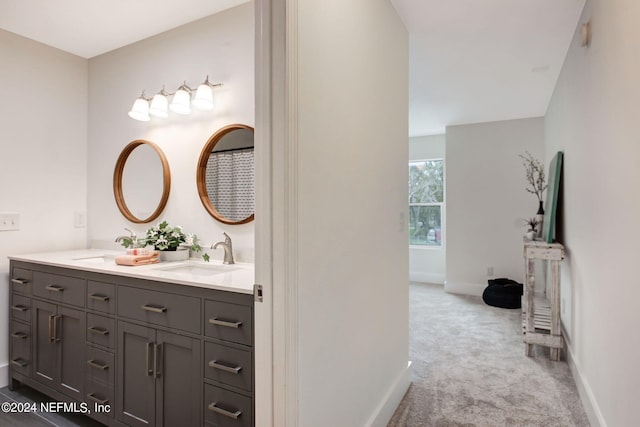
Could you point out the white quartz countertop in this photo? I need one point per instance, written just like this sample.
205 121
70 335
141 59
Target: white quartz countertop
237 277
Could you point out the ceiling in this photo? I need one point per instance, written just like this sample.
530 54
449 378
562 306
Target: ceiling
470 61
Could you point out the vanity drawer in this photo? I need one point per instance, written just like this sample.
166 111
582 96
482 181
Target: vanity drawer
228 365
63 289
20 336
100 367
160 308
229 322
101 297
223 408
101 330
21 308
21 280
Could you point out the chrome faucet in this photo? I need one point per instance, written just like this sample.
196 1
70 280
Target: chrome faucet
228 249
132 236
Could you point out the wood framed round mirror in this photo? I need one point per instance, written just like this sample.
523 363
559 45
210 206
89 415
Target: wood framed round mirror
225 175
141 181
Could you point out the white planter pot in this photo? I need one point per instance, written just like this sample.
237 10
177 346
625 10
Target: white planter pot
181 254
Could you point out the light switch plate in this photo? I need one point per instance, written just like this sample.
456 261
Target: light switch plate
9 221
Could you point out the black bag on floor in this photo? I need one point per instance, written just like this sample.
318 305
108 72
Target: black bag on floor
503 292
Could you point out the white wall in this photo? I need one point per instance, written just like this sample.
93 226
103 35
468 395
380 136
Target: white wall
486 200
426 263
593 118
352 80
221 46
43 133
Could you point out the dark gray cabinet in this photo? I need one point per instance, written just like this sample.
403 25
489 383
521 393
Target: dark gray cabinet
58 353
148 353
159 377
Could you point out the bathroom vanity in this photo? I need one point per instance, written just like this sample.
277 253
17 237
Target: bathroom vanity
166 344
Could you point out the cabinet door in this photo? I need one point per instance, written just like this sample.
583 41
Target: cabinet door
135 392
69 328
178 380
44 343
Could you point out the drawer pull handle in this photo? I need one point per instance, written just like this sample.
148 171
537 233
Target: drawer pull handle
99 297
54 288
93 397
154 308
20 335
214 408
226 323
231 369
97 365
19 307
19 362
98 330
19 281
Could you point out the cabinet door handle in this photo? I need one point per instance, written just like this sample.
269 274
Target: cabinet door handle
54 288
154 308
231 369
56 323
51 337
98 330
228 324
19 281
21 335
149 371
215 408
97 365
19 307
157 360
19 362
99 297
95 398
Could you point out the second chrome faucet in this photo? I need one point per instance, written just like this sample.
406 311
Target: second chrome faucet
228 249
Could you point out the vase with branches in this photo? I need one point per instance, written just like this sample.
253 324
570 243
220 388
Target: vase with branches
537 184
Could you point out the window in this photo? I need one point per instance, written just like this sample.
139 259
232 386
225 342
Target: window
426 201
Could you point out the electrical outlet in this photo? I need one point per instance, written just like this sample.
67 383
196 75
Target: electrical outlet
9 221
489 271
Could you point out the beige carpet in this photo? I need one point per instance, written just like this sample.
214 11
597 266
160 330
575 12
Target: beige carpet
469 369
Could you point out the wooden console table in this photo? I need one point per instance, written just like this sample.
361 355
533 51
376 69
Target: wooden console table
541 315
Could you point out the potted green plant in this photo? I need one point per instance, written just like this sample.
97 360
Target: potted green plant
171 242
531 224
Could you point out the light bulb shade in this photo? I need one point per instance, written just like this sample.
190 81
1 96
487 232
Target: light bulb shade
204 98
181 102
159 106
140 110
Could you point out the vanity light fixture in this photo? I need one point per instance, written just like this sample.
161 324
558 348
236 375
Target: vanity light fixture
204 96
160 104
140 109
180 103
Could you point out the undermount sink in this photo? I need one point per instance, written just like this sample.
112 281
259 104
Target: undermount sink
198 269
100 259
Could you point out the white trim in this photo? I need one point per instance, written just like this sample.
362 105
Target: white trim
419 276
4 375
464 288
265 393
386 408
584 390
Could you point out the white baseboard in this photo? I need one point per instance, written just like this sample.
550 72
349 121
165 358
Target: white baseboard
418 276
464 288
385 410
4 375
586 395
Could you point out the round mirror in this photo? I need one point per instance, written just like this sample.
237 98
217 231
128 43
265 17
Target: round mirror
225 175
141 181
